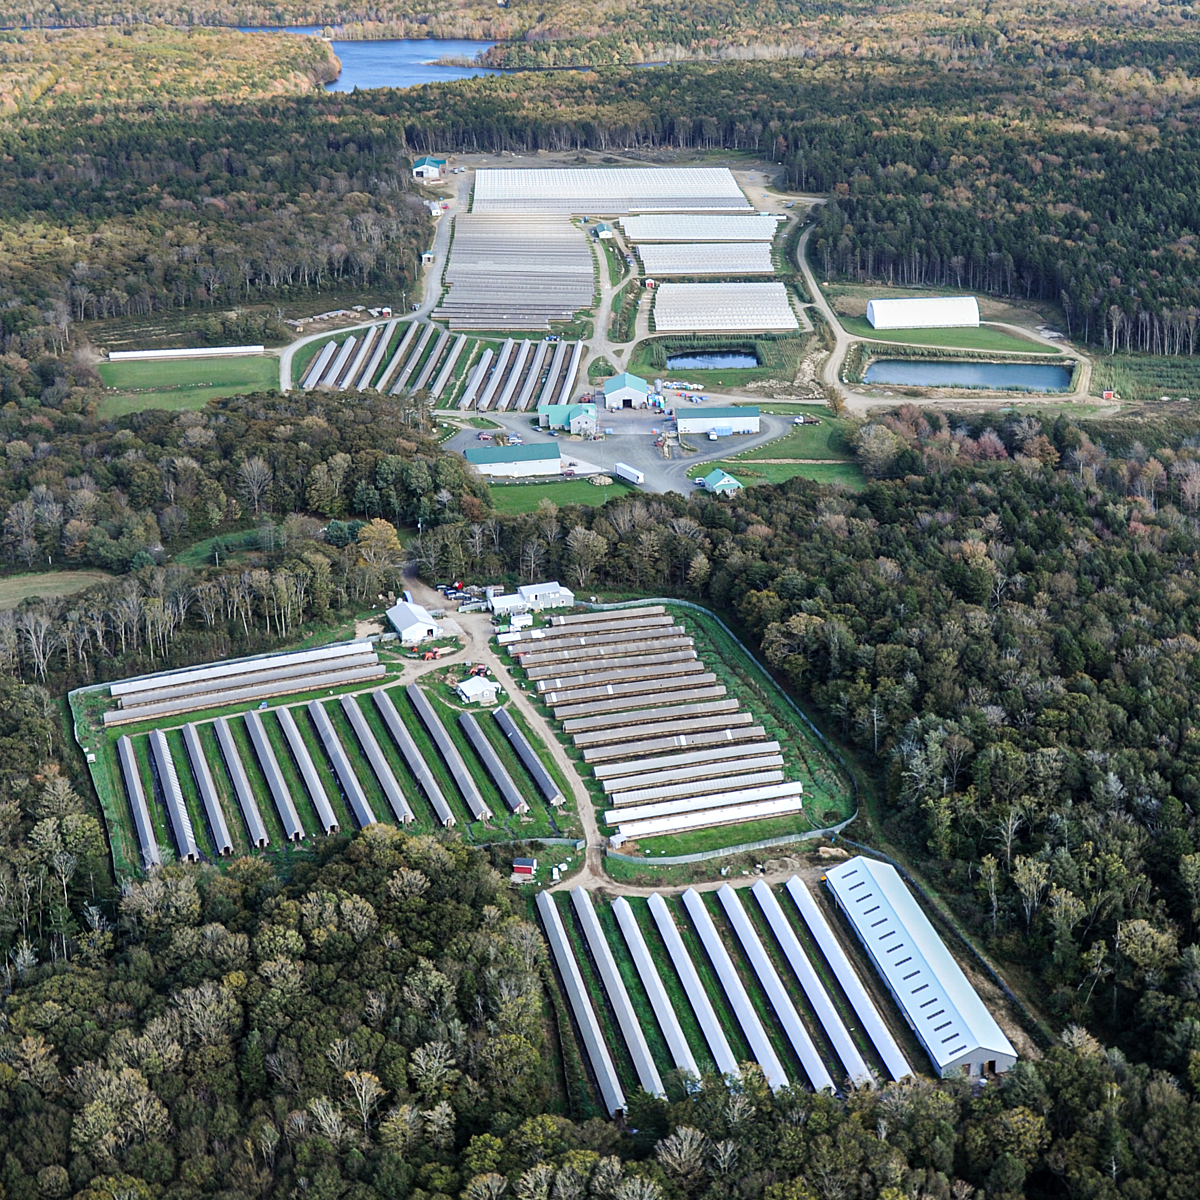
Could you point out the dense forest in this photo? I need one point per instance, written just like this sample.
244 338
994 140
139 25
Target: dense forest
1002 625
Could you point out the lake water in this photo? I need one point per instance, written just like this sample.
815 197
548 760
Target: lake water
997 377
710 360
394 63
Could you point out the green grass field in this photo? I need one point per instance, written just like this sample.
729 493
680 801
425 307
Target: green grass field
16 588
525 497
826 440
982 338
184 383
749 472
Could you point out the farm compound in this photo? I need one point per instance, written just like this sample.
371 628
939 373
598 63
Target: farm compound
713 982
258 778
671 750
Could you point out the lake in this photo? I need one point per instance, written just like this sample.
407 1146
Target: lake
710 360
996 377
397 63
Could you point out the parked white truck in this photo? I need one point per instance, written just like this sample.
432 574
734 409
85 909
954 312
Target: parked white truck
629 474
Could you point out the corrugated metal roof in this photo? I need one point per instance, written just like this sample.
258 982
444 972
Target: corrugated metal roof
943 1008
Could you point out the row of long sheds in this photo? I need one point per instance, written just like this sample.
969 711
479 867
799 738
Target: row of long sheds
217 758
766 1000
672 750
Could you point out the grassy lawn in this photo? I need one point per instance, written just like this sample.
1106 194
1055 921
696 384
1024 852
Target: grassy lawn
182 383
1147 377
749 472
525 497
982 338
205 553
826 440
16 588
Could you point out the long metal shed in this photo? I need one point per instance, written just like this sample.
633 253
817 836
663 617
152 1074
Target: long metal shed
443 376
240 666
289 818
255 829
217 828
147 838
338 366
739 1000
532 379
401 351
364 380
667 761
589 708
709 818
585 1017
476 378
308 770
172 794
357 362
693 989
700 787
937 999
632 660
526 753
590 640
607 737
380 765
321 678
615 614
634 716
317 369
414 358
660 1002
619 675
432 361
618 996
247 679
449 752
831 1021
596 624
485 397
355 796
752 733
860 1000
707 773
675 683
694 803
590 653
492 764
781 1002
412 756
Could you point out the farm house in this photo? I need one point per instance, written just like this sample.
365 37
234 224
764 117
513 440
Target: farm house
626 391
721 482
413 623
515 462
936 998
538 596
477 689
721 421
578 419
923 312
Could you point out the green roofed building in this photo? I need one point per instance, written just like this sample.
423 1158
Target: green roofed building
515 462
721 482
428 167
575 418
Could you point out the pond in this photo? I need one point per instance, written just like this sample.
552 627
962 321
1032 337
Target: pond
711 360
996 377
395 62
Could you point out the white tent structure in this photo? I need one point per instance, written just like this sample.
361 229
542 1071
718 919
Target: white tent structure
923 312
937 1000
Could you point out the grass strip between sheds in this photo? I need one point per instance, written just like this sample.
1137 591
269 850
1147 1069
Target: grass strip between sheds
633 985
229 804
599 997
291 776
796 1074
191 795
316 751
258 783
672 984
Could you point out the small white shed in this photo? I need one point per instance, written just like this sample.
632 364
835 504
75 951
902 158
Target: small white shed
546 595
477 689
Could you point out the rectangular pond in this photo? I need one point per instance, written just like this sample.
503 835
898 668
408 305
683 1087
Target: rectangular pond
994 377
711 360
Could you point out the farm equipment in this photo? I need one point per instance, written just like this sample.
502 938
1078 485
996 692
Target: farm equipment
432 655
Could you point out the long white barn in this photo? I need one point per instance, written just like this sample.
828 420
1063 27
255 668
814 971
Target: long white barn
923 312
937 1000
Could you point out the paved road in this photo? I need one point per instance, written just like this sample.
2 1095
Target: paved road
633 443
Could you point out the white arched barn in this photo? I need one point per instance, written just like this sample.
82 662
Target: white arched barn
923 312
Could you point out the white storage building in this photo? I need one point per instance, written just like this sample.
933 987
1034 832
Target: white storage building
614 190
923 312
937 1000
413 623
721 421
626 391
477 689
515 462
546 595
